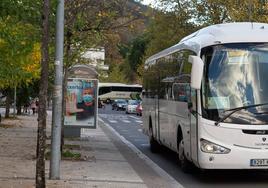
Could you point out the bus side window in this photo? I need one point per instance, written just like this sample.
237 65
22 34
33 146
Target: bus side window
181 92
193 99
168 94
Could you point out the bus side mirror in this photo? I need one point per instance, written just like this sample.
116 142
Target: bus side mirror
197 71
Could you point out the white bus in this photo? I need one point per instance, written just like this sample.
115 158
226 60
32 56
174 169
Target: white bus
206 98
111 91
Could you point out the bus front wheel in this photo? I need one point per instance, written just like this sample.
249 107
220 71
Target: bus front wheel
185 164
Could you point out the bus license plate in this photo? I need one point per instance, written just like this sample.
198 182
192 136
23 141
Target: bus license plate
259 162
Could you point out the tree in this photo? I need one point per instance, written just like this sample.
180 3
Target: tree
41 134
220 11
19 55
210 12
245 10
27 11
169 25
133 55
115 75
96 23
100 23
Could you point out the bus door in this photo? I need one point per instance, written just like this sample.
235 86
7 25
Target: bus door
193 125
182 96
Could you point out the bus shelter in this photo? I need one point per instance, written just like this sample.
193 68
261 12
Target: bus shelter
81 100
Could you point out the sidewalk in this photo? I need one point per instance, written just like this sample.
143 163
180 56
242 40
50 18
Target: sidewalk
105 162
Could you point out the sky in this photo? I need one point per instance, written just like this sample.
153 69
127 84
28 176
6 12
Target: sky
147 2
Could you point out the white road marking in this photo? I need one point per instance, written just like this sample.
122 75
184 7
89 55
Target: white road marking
125 121
112 121
140 130
138 121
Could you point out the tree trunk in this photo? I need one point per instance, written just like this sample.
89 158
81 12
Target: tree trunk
64 90
18 109
41 133
8 101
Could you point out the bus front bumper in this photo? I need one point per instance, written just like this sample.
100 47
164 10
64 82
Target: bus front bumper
238 158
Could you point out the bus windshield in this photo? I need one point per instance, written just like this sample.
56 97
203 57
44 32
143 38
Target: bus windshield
236 75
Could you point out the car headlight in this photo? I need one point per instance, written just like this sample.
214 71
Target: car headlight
210 147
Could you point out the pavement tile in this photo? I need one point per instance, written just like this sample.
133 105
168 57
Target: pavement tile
102 165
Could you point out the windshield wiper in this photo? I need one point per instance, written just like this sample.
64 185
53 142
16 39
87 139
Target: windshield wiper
236 110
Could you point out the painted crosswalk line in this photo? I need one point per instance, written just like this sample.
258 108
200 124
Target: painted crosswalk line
113 121
125 121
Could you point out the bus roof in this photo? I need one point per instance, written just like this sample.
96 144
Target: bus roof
239 32
118 85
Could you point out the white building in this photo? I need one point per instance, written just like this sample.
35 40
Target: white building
96 57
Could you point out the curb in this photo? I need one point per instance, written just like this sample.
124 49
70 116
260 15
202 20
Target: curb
148 161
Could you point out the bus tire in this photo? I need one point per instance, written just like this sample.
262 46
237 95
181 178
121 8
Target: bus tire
154 145
185 164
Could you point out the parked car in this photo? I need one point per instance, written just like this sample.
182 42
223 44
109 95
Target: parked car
139 109
131 107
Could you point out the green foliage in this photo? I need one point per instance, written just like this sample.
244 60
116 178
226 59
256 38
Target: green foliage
27 11
123 50
133 55
210 11
91 24
137 51
16 48
174 19
71 155
115 75
244 10
66 154
168 27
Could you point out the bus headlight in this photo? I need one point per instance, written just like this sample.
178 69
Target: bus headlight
210 147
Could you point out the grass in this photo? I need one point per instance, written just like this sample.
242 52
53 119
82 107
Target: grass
67 153
71 155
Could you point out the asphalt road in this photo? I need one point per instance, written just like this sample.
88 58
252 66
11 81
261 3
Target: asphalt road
130 127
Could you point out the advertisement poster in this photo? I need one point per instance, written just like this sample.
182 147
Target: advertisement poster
81 101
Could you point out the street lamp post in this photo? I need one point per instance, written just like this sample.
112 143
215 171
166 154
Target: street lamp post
57 96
